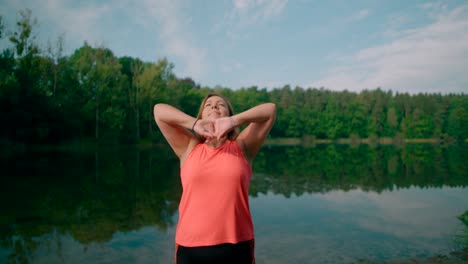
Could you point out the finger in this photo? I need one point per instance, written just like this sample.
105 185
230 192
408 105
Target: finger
217 131
207 134
209 126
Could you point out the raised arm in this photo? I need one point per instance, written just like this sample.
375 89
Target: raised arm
175 126
259 121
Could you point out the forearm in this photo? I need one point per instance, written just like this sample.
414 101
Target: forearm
258 114
173 116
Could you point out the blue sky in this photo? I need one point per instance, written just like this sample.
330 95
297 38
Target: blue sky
405 46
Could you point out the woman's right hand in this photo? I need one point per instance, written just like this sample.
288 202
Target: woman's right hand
205 129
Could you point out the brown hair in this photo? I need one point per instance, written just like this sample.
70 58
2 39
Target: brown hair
235 132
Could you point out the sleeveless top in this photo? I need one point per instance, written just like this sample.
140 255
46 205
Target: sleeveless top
214 208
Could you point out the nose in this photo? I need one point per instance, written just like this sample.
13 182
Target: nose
214 107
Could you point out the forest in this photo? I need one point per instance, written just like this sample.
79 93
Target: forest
93 96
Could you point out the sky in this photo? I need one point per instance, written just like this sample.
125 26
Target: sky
400 45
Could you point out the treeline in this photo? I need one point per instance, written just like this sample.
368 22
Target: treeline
92 95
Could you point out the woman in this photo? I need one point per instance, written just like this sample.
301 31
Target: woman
215 224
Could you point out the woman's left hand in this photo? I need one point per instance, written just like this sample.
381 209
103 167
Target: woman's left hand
222 126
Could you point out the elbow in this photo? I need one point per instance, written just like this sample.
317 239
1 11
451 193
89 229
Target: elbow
269 111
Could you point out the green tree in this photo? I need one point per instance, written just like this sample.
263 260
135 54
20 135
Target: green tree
333 119
378 112
132 69
457 123
392 121
55 55
358 119
7 64
98 74
153 83
23 38
2 27
440 114
23 83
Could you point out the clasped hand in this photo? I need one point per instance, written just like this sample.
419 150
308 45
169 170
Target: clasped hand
214 128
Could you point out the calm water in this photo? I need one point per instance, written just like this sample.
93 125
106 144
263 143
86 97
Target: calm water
326 204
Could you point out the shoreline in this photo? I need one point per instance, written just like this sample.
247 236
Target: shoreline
311 141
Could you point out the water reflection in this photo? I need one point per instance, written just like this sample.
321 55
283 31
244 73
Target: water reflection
86 196
348 227
120 206
297 170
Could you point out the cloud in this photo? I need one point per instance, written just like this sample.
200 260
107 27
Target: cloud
389 211
362 14
425 59
78 22
242 4
253 11
175 33
98 23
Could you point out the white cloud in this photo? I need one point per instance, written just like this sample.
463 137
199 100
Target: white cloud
242 4
78 23
81 23
426 59
362 14
95 22
273 7
249 12
175 32
388 212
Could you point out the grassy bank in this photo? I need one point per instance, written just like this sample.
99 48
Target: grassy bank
311 141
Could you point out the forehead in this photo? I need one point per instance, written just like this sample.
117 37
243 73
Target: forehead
214 99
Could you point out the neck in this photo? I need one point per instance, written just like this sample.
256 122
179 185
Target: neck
214 143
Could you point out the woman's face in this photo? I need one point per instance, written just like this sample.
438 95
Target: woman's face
215 107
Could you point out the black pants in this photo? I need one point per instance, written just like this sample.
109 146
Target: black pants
240 253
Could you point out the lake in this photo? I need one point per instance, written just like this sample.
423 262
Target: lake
323 204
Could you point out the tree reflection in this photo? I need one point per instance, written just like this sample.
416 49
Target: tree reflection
297 170
90 196
87 195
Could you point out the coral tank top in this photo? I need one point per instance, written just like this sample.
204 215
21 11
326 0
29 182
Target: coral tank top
214 207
